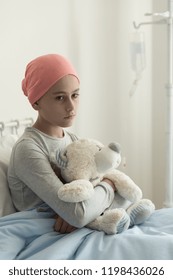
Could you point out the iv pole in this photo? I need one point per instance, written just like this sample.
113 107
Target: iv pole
167 17
169 133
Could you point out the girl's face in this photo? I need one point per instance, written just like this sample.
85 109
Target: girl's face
58 107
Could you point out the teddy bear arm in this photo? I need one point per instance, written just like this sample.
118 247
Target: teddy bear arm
76 191
125 186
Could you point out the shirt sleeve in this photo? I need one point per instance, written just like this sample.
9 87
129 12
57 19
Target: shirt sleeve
31 165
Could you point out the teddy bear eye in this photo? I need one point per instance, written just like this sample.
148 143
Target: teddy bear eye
65 153
99 148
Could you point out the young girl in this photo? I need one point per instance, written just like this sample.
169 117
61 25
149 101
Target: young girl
51 85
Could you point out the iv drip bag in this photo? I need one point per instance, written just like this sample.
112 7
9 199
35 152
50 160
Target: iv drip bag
137 50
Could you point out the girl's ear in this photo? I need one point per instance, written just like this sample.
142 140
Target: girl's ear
35 106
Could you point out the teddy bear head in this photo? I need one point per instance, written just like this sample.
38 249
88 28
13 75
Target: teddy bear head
87 159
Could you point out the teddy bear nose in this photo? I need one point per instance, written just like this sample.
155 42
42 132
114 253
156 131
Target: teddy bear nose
115 147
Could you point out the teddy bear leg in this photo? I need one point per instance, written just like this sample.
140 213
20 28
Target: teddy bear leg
112 221
140 211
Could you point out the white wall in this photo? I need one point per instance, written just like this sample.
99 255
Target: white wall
95 35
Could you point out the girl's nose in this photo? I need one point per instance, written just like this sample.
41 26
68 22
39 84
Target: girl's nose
70 105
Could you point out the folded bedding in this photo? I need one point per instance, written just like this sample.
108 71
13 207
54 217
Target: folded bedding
30 235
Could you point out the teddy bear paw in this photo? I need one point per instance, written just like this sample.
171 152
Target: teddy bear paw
76 191
140 211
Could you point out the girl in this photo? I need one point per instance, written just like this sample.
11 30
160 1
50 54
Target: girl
51 85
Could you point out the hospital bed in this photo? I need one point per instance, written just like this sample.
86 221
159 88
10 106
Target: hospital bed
29 235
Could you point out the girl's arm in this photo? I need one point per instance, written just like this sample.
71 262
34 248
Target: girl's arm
62 226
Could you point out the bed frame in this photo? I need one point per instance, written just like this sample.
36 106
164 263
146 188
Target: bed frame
15 126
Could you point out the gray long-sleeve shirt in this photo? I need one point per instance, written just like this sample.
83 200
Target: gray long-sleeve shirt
32 180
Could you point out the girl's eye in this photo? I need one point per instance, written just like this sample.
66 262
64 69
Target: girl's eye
59 98
75 95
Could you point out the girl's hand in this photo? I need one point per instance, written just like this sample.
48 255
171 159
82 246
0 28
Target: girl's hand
110 183
62 226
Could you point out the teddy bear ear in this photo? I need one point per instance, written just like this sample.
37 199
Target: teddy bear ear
61 158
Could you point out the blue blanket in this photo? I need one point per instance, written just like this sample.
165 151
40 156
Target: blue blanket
30 235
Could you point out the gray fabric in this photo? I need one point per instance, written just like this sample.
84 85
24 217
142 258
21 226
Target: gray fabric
32 180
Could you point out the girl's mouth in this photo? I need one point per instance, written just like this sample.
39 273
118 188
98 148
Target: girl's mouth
70 117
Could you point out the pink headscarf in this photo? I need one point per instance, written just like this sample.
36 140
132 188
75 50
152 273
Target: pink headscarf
43 72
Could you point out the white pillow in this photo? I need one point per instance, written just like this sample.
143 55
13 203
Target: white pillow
6 204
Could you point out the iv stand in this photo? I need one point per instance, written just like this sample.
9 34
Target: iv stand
167 18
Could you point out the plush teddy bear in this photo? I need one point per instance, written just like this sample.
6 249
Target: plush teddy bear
83 164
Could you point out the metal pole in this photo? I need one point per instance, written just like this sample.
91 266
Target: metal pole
169 130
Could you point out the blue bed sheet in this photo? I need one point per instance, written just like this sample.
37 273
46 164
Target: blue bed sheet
30 235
